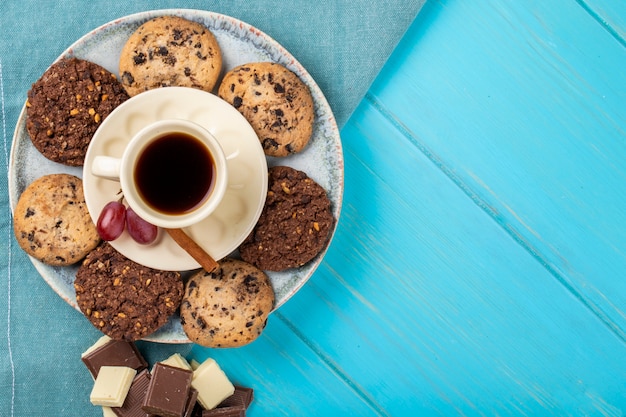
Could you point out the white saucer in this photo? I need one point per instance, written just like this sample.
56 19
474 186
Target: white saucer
224 230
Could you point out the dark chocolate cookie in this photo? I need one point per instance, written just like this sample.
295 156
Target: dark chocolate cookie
276 103
123 299
66 106
295 224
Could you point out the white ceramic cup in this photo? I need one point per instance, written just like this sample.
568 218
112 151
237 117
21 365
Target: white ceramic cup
124 170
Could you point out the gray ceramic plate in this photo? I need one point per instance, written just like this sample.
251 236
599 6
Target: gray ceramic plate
241 43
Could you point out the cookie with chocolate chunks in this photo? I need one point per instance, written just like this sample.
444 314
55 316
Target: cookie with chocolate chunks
170 51
276 103
51 221
66 106
295 223
123 299
227 307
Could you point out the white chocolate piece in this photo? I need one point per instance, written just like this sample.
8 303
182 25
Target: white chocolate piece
112 385
194 364
108 412
177 361
100 342
212 384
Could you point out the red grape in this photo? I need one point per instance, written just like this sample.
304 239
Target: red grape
111 221
140 230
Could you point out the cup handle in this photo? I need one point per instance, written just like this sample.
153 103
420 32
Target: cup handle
106 167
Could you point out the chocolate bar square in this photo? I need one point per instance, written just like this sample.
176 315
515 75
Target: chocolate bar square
114 353
168 391
134 399
232 411
241 396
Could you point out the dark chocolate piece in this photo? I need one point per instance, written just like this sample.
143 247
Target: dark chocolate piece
134 398
168 391
191 403
241 396
233 411
114 353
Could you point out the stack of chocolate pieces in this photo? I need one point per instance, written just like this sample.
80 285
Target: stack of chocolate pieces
173 388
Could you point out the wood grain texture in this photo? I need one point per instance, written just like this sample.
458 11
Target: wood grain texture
534 134
477 268
610 14
426 303
288 377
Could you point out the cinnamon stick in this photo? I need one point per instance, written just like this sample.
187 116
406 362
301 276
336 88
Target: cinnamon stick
192 248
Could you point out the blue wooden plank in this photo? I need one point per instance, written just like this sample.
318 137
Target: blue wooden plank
533 133
288 377
609 13
426 305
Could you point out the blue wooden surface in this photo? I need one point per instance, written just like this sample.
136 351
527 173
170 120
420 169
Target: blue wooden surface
479 263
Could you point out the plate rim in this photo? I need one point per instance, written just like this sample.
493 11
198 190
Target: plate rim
293 64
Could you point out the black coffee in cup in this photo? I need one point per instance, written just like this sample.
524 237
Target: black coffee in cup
175 173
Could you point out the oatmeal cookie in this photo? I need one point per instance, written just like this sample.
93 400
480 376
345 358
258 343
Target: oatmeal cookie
51 222
276 103
227 307
170 51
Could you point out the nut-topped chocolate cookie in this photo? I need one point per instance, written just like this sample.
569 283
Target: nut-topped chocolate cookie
123 299
276 103
66 106
170 51
295 223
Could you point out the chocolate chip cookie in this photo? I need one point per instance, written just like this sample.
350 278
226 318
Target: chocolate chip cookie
170 51
51 222
295 223
66 106
227 307
123 299
276 103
